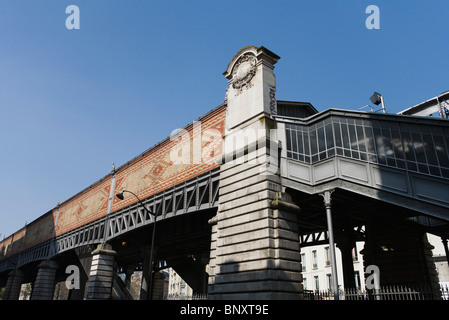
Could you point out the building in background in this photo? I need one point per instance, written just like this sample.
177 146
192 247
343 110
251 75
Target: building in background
177 287
316 265
316 268
440 259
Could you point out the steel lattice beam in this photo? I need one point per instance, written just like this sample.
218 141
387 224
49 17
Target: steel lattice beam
193 195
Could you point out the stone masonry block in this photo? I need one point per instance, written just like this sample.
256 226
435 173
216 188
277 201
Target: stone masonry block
236 267
244 192
266 285
248 213
234 186
248 199
101 278
258 254
229 170
98 296
235 235
254 244
280 275
260 295
106 273
246 177
247 227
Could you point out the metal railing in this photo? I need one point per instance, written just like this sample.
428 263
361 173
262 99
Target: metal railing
393 292
176 296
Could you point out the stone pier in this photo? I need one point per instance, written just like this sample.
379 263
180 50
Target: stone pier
101 273
44 287
13 285
255 246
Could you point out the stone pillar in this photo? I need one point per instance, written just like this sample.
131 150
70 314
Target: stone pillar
256 254
13 285
129 273
101 273
44 286
213 253
158 286
403 254
345 242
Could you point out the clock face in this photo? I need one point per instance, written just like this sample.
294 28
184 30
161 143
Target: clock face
245 70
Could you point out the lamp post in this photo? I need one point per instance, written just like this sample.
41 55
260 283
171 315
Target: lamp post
150 281
377 99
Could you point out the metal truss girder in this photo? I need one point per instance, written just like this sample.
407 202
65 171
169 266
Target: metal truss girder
312 239
193 195
322 237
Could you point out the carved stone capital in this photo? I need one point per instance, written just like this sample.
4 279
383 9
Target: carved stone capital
327 198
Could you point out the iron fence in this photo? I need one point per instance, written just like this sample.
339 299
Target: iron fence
195 296
394 292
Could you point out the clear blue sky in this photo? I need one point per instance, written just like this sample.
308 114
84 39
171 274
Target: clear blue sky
73 102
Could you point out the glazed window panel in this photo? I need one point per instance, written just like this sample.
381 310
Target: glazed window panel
429 149
307 157
329 136
418 146
407 146
295 141
441 151
338 140
313 145
321 143
345 137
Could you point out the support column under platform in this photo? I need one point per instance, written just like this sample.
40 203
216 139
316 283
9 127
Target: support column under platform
402 254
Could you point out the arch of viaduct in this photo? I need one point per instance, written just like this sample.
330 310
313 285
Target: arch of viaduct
238 192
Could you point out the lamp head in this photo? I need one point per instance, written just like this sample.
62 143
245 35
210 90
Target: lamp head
376 98
119 195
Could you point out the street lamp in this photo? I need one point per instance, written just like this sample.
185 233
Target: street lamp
150 280
377 99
